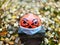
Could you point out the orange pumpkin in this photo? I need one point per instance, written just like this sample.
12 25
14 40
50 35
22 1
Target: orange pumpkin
30 21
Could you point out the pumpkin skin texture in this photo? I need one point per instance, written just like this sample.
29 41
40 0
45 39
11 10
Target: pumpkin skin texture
30 21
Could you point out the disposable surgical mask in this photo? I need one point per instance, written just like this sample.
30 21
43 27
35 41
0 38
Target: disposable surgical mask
31 31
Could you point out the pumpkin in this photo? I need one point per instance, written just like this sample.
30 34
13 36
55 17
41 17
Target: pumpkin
30 21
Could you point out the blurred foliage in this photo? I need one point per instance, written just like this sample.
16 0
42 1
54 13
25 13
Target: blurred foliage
12 10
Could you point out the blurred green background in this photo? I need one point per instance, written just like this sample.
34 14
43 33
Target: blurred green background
12 10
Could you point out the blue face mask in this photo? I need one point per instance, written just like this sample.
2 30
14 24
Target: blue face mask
31 31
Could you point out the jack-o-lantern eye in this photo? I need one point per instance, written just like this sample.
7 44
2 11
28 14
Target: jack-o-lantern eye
35 22
25 22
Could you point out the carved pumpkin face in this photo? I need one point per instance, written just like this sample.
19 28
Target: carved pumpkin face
30 21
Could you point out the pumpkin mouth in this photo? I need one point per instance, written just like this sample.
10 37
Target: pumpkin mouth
29 27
